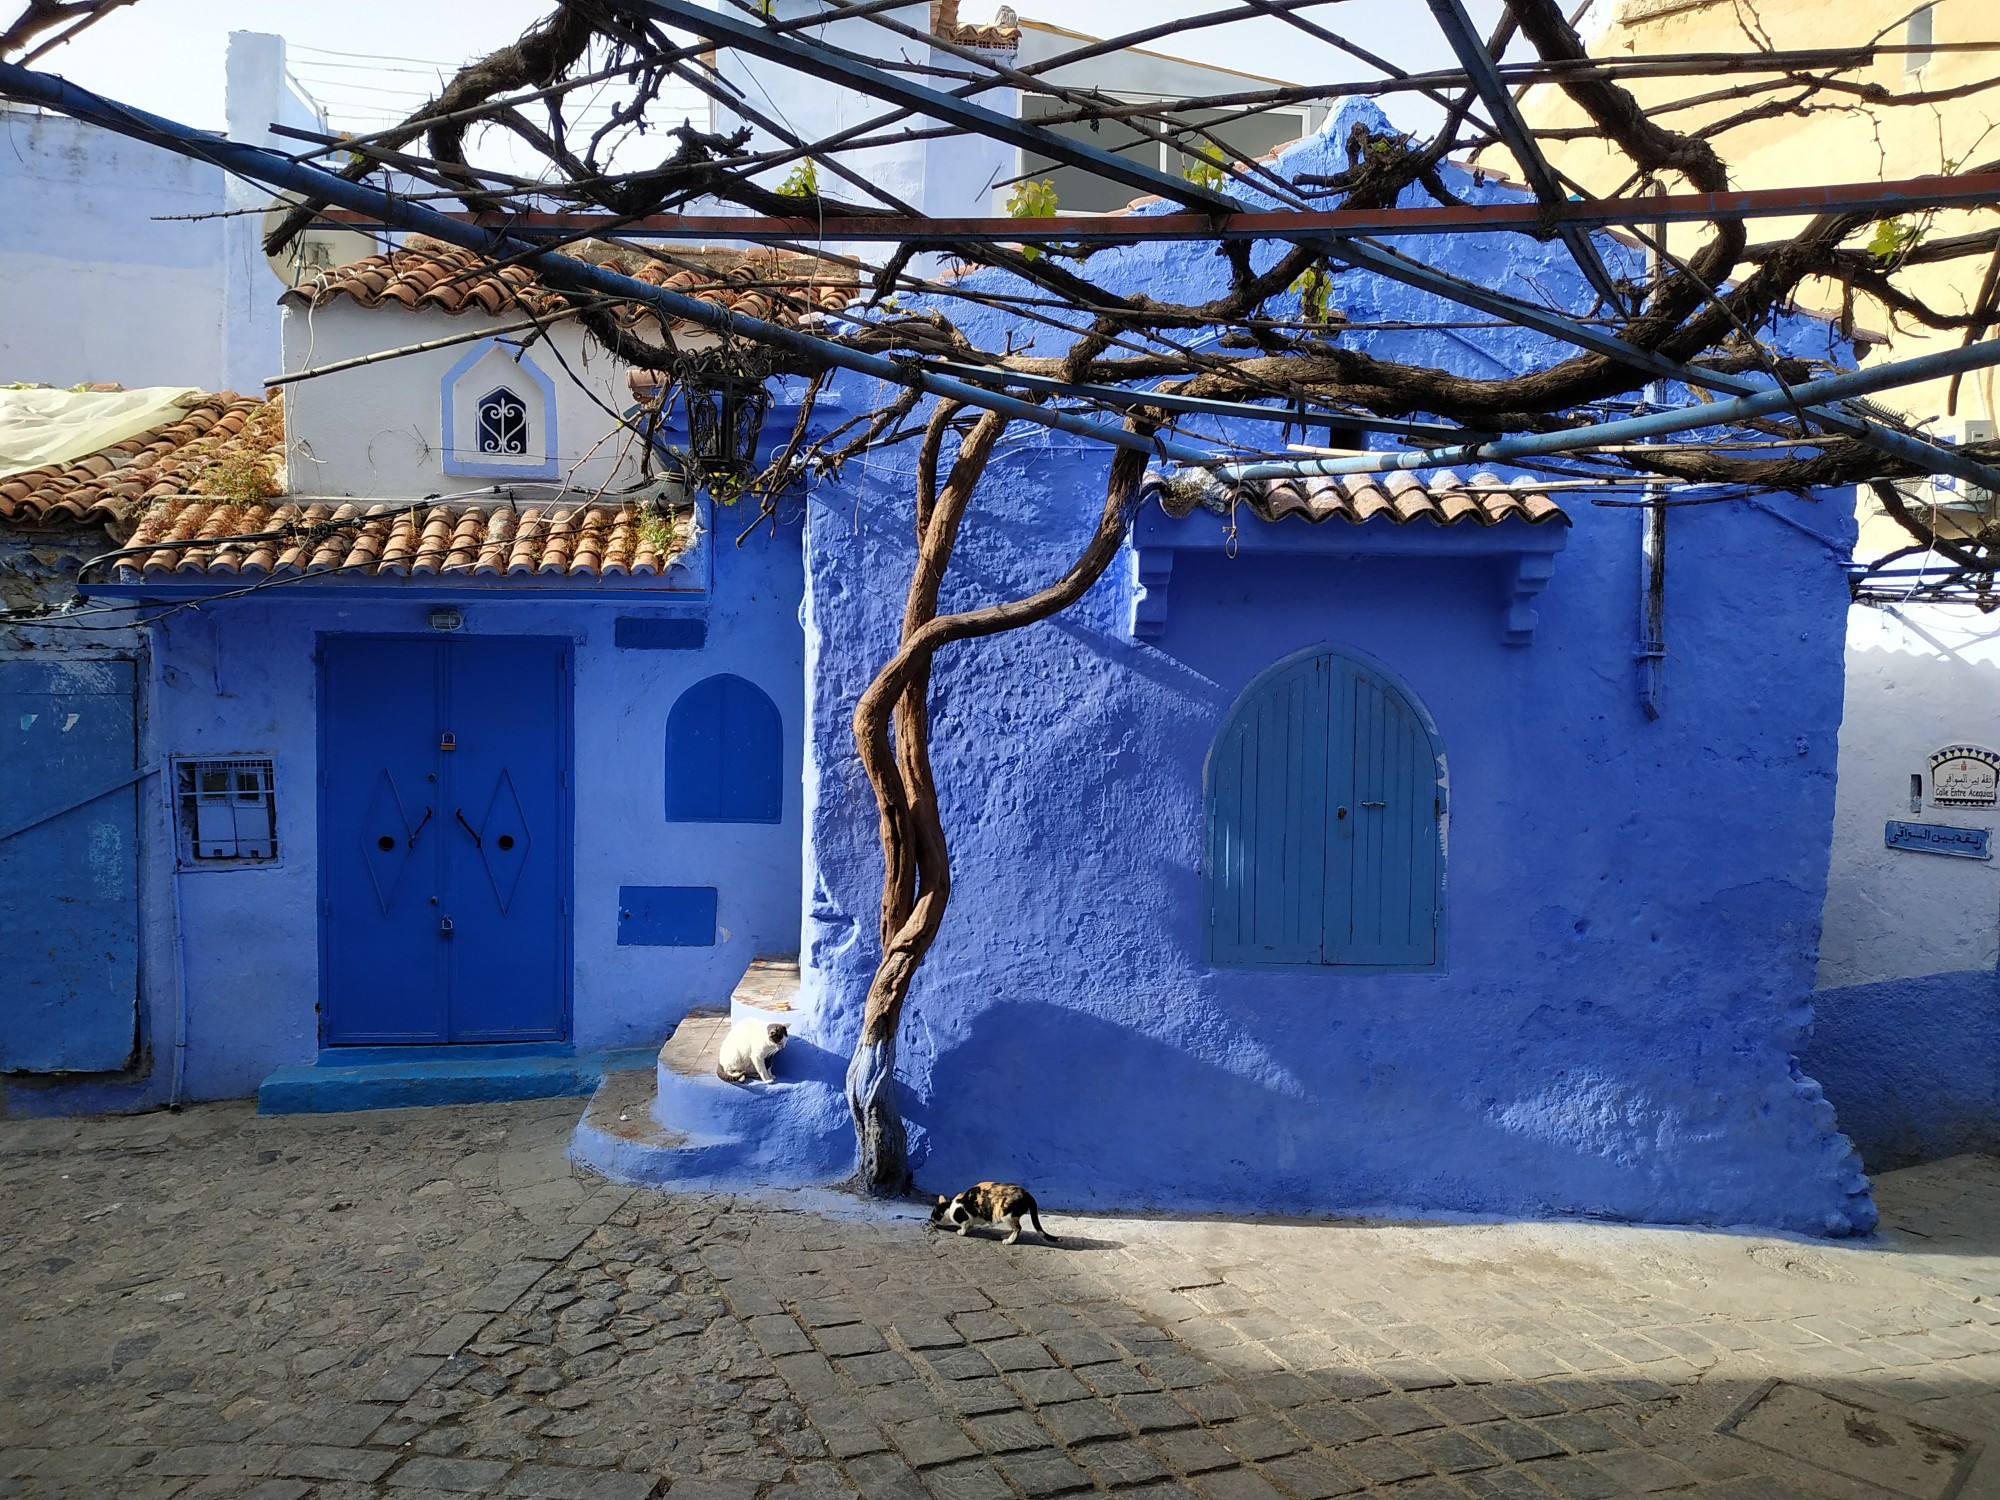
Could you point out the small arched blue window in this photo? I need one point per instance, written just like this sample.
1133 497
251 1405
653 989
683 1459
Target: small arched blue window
1325 809
725 754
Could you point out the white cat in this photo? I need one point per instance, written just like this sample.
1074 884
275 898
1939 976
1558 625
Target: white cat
747 1049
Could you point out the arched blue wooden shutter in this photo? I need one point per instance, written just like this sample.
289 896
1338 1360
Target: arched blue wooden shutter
1323 814
725 754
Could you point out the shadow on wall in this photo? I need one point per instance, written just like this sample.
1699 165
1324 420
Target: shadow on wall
1067 1103
1911 1065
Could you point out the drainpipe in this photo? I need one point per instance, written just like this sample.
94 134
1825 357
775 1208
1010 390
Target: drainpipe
1652 653
178 1074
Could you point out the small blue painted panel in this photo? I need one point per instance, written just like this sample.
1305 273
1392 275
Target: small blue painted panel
666 916
1323 810
725 754
1939 838
634 634
69 872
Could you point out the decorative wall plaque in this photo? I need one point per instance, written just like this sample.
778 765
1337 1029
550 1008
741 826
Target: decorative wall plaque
1965 776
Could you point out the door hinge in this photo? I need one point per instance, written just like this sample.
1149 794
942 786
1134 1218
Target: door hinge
326 908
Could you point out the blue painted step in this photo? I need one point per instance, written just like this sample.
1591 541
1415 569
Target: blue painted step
351 1078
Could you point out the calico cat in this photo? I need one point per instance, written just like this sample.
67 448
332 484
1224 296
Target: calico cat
747 1050
991 1201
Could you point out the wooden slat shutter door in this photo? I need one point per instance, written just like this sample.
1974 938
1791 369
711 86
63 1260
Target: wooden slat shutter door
1390 835
1267 830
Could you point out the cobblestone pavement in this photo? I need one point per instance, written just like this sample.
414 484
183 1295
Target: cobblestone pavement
430 1303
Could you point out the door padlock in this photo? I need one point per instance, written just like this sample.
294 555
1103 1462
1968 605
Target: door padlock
444 927
449 741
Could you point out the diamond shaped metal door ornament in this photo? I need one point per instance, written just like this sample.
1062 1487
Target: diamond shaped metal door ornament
504 841
386 839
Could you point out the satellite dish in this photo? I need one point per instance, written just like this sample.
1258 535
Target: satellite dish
320 248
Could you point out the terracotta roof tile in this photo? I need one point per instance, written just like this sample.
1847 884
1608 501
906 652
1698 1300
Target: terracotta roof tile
1443 500
427 273
430 540
226 442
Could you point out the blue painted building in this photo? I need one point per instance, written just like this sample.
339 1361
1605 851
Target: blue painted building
1323 864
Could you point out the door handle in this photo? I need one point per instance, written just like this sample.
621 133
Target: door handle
444 926
1374 804
419 828
459 813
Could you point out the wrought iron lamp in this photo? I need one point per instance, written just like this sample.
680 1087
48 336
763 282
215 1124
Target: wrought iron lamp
725 413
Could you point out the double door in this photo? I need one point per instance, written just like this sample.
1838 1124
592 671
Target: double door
444 840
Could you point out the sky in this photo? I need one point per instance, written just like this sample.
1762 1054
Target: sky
371 61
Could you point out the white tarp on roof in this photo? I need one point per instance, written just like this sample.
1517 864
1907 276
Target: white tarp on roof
42 426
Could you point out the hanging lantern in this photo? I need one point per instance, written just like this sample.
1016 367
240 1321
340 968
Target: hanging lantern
725 412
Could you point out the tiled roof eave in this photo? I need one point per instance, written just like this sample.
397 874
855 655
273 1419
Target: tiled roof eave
1400 500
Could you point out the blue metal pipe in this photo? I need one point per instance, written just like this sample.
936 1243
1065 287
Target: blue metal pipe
1632 429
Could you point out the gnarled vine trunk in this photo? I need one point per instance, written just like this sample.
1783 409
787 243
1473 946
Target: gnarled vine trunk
892 732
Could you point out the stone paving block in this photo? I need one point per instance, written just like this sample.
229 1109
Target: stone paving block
1578 1394
1642 1473
1502 1484
905 1402
560 1245
926 1333
1166 1490
1048 1387
1578 1433
361 1464
1119 1462
971 1398
1331 1424
1519 1441
1151 1413
1178 1372
276 1489
1082 1348
547 1482
967 1481
457 1331
1396 1414
403 1379
1259 1438
1008 1432
1530 1363
1041 1472
1412 1374
959 1364
1463 1404
1312 1476
1237 1484
199 1458
985 1324
1284 1389
598 1208
809 1375
852 1339
778 1335
1452 1452
1116 1380
1382 1461
1079 1421
1192 1451
1017 1354
1348 1383
1215 1403
1572 1478
460 1475
933 1441
711 1487
508 1287
828 1312
882 1476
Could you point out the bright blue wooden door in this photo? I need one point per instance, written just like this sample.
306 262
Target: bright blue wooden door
444 840
1323 813
69 866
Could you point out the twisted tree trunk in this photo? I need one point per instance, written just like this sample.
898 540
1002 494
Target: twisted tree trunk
892 732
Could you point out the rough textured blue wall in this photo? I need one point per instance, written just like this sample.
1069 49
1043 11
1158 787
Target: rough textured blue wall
1632 907
239 679
1913 1063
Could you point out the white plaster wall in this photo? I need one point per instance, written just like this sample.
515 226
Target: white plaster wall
377 431
104 277
1919 677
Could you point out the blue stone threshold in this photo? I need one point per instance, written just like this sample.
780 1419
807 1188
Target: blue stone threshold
351 1078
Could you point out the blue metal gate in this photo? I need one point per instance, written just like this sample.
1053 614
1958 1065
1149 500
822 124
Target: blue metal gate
444 840
69 866
1324 808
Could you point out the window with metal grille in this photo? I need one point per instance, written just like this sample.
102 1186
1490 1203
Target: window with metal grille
226 811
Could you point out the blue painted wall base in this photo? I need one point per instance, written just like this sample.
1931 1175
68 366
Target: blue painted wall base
402 1077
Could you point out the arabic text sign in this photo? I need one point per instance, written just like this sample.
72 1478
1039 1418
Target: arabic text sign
1938 838
1965 776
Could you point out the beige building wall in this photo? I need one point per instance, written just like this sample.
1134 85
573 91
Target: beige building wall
1843 139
